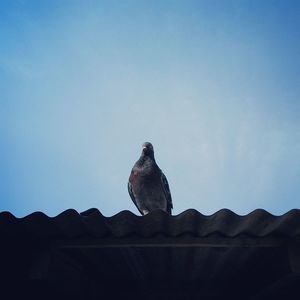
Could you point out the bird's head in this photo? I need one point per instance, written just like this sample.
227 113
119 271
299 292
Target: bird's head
148 149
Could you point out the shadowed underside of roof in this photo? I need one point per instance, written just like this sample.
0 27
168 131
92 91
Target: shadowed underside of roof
157 256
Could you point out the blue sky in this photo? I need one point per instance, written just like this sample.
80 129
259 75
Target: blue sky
214 85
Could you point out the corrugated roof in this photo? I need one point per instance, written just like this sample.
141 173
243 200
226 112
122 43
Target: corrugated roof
157 256
70 223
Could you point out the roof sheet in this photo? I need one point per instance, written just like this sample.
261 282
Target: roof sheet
70 223
157 256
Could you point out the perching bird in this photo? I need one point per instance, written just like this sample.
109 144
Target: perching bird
147 185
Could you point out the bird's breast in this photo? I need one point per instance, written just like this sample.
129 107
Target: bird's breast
142 176
134 176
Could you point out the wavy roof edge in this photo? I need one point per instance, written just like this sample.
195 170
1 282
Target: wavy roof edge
128 212
70 223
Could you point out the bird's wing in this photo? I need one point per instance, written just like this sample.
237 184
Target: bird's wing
167 192
129 186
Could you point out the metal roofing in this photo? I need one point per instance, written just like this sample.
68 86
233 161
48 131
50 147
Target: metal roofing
188 256
70 223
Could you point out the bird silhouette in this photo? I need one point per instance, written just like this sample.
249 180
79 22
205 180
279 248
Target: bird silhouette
147 185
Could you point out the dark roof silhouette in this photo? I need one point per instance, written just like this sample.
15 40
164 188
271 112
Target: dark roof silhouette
157 256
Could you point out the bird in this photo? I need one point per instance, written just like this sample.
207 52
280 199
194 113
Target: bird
147 185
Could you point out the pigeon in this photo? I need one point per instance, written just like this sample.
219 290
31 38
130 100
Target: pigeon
147 185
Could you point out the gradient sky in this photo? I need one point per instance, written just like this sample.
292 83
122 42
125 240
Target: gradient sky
214 85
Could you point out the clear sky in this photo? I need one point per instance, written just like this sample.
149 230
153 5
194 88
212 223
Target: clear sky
214 85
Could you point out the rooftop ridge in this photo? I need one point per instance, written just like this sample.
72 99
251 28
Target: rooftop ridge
70 223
